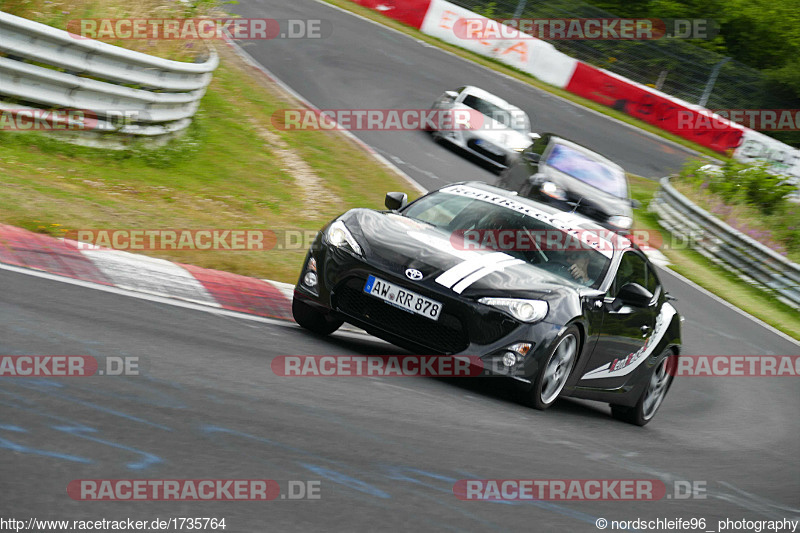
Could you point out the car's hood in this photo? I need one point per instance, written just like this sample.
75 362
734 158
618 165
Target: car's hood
498 133
589 196
395 243
503 136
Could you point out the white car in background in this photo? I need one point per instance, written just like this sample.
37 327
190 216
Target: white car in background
503 131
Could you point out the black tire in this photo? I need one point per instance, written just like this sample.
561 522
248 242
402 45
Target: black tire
548 385
313 320
658 383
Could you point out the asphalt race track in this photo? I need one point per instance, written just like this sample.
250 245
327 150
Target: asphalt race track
363 65
386 451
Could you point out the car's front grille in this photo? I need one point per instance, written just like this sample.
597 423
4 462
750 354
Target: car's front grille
446 335
487 331
473 145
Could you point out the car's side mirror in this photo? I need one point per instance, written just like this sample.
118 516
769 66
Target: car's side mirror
634 295
636 204
533 157
396 200
452 95
533 136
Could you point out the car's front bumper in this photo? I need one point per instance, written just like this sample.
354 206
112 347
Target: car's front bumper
498 156
465 326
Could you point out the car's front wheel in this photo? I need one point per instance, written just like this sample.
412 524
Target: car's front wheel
556 370
313 320
652 396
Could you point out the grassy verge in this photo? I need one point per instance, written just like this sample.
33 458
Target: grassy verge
700 270
233 169
688 263
522 76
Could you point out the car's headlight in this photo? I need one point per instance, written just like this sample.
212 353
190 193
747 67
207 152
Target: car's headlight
621 221
553 191
523 310
338 235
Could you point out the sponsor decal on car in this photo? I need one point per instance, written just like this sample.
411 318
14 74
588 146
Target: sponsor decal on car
591 238
626 365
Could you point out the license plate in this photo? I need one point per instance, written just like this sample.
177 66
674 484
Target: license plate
403 298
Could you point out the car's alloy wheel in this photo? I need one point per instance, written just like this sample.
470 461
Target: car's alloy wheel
556 370
652 396
313 320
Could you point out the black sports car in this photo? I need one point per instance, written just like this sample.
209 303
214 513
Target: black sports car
573 310
567 175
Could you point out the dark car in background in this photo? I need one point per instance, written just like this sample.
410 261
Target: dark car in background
572 177
407 276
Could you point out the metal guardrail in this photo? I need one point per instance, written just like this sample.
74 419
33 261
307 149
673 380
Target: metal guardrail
157 95
749 259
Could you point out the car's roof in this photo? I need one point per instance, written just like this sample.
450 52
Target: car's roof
572 220
591 153
489 97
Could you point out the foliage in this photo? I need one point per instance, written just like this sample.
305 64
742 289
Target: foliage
749 198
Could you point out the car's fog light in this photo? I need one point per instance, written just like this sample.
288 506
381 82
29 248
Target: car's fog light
509 359
310 279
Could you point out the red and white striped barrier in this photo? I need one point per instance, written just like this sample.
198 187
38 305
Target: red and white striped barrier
438 18
141 273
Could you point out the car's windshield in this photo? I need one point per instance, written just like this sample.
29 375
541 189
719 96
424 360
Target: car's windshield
479 220
581 166
515 119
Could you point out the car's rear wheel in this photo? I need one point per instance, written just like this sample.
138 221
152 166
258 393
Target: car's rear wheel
652 396
556 370
313 320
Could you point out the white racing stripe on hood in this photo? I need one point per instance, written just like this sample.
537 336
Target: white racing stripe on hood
485 271
631 361
455 274
588 236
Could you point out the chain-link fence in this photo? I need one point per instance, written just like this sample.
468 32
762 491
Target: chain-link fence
674 66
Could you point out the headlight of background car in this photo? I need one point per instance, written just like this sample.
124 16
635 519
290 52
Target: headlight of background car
621 221
523 310
338 235
553 191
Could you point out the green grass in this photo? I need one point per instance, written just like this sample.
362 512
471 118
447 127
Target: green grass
227 173
522 76
708 275
224 173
